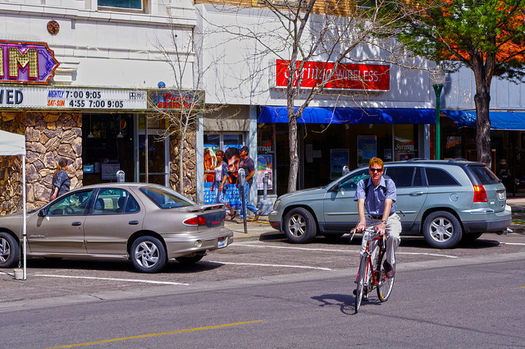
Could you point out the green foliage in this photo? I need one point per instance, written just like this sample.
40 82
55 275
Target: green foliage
490 32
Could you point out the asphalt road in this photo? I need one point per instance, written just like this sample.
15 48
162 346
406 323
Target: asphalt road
271 294
474 302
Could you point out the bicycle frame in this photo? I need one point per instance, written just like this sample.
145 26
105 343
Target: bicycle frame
368 276
370 236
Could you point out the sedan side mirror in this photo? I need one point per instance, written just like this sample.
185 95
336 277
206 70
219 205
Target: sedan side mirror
42 212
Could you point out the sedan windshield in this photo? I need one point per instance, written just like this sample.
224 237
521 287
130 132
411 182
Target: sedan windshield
165 198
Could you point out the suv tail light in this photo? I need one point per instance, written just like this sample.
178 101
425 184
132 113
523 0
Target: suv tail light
480 195
195 221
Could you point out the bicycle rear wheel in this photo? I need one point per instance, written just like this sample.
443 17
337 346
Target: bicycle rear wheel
361 279
384 284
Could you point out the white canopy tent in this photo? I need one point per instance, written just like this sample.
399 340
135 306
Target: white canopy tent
12 144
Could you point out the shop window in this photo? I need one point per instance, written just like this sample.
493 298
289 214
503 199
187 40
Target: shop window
124 5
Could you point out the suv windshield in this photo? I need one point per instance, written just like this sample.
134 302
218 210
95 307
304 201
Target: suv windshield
165 198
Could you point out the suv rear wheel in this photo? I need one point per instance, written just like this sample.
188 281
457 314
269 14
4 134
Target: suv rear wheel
442 230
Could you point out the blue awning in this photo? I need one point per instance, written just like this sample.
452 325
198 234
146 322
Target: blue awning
318 115
499 120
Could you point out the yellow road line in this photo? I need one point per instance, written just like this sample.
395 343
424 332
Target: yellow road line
156 334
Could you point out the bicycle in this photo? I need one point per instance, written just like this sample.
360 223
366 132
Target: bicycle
369 277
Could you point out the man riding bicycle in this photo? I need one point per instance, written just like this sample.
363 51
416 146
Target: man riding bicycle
378 195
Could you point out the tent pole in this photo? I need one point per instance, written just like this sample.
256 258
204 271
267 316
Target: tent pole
24 194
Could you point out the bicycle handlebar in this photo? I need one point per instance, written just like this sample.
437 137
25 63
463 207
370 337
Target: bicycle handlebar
370 234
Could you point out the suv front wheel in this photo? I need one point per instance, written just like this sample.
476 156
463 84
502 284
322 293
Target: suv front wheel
442 230
300 226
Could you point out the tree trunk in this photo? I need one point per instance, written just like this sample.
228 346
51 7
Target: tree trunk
294 155
483 77
483 147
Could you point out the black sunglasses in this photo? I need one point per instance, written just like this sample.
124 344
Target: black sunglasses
376 169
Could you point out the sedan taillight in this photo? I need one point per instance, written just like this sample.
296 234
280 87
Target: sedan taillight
480 195
195 221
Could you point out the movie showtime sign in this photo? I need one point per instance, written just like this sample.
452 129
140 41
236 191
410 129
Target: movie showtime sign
26 62
359 77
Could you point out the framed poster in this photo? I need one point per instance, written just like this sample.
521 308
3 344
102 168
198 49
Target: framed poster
366 149
338 158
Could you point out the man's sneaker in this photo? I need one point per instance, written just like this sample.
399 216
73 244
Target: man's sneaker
257 215
389 270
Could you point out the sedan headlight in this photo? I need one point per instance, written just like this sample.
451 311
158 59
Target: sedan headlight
277 202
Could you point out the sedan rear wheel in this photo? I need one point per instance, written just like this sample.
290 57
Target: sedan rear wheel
9 251
300 226
442 230
148 254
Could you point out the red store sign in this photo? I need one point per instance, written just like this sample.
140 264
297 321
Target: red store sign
370 77
26 62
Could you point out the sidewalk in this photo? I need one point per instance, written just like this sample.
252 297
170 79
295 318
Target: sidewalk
254 229
262 226
518 214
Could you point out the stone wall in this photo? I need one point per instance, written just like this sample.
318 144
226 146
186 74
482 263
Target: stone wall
49 136
189 164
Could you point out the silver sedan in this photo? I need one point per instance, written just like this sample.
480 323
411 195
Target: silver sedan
146 223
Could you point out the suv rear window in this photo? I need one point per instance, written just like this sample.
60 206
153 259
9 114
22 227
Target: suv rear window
439 177
484 175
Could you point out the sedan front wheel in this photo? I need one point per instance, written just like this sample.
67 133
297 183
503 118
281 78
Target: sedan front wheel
148 254
9 251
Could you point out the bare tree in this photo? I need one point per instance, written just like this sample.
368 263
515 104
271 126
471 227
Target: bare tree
328 32
182 104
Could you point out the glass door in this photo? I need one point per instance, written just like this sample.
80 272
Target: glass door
156 156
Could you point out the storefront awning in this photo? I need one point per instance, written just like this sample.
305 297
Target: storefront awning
499 120
317 115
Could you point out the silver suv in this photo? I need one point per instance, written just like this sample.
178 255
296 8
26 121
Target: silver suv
447 201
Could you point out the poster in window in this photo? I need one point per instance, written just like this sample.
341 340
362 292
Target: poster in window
232 158
264 167
366 149
109 171
338 159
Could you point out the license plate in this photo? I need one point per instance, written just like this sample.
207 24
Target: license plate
222 243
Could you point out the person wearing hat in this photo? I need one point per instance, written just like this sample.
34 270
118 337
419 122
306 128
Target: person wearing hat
247 164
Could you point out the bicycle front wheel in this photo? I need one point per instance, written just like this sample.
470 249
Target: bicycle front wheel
361 279
384 284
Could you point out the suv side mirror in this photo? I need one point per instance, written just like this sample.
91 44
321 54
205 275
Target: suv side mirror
335 188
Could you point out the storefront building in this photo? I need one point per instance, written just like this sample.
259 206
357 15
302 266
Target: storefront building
77 80
507 116
389 116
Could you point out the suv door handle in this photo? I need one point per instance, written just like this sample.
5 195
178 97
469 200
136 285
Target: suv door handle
76 224
133 222
417 193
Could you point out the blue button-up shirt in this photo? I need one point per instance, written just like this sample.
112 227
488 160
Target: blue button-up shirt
375 200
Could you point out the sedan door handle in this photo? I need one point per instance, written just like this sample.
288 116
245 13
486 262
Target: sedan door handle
133 222
76 224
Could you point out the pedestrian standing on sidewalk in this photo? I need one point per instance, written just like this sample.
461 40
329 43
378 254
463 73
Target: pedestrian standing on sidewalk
61 181
247 164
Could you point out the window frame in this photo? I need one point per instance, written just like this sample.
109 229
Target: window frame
124 9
